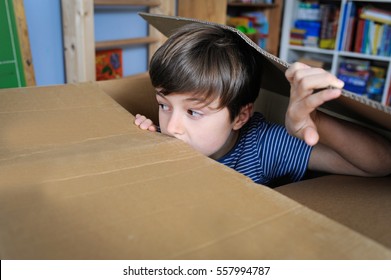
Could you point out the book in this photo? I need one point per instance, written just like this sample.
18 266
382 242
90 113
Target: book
349 34
355 73
375 14
351 27
329 14
366 33
238 21
315 63
261 25
359 37
312 30
377 37
388 101
375 85
108 64
345 20
385 49
387 41
308 11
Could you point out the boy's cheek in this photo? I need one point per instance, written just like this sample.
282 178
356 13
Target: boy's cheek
163 125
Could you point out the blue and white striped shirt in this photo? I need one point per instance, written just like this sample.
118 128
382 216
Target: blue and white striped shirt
265 152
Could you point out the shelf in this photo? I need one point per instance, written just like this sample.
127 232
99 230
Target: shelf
147 3
364 56
311 49
124 43
252 5
344 48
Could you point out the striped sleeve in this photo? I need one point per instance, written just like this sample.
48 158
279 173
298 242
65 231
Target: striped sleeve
283 155
265 152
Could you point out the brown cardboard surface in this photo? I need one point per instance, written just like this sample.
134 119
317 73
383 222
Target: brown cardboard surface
273 74
363 204
79 181
135 93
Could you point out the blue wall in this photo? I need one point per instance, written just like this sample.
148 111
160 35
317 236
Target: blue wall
45 33
123 23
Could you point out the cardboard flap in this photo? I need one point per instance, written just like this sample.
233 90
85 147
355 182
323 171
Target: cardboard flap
272 67
273 78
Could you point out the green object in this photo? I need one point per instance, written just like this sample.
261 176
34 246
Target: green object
242 28
11 64
251 30
246 30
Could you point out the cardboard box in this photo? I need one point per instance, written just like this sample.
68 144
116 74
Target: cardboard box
78 180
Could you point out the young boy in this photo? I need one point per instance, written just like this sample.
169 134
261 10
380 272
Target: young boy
207 80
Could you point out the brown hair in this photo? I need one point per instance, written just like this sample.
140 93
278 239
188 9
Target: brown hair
210 61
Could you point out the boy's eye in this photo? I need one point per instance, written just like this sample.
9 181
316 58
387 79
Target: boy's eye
164 107
194 114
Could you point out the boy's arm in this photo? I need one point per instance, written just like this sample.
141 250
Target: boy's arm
144 123
341 147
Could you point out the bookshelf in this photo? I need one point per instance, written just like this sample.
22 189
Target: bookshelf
271 9
220 10
372 65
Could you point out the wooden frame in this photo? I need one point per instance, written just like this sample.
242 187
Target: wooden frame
214 11
20 56
79 41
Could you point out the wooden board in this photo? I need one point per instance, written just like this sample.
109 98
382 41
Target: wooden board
16 68
78 30
214 11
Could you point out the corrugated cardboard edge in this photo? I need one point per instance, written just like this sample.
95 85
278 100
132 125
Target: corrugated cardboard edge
372 110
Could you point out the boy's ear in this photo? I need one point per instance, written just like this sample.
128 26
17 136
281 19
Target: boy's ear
244 115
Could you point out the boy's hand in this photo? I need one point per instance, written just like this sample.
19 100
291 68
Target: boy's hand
300 118
144 123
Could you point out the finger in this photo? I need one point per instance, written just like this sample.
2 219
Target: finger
310 103
305 81
318 80
139 119
290 72
309 80
310 135
146 124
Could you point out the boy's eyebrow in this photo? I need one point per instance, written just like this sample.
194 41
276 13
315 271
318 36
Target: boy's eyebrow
200 100
192 99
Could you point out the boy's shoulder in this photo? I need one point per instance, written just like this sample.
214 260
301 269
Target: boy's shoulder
259 129
256 122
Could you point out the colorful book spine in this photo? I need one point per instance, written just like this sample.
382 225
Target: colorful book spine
359 36
377 15
365 41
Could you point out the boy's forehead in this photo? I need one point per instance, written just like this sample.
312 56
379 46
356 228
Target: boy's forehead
200 99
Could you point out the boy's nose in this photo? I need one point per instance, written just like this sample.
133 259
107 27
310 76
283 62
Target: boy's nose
175 126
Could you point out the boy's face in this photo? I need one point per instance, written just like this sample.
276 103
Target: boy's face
203 126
